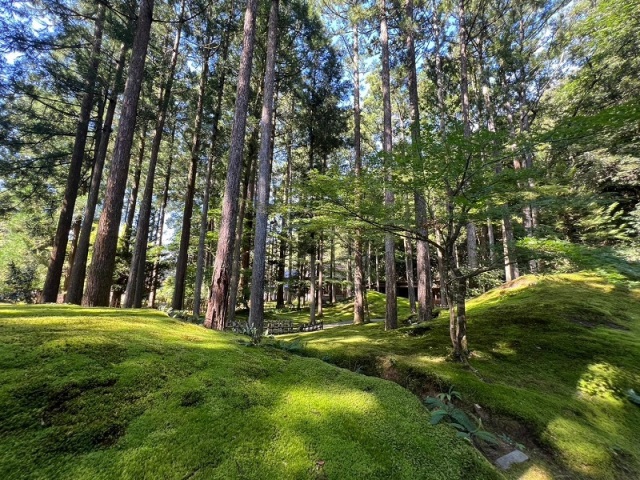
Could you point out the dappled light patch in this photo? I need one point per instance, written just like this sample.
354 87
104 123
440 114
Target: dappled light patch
604 381
548 382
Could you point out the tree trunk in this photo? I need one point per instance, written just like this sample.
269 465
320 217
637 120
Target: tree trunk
423 260
58 253
312 283
408 262
320 276
377 271
75 228
177 302
135 283
103 262
218 298
472 241
163 210
79 270
133 195
358 278
205 203
491 239
511 271
460 348
256 314
235 268
391 319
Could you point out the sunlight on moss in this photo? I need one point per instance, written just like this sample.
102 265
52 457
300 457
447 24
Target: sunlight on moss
536 472
581 448
503 348
604 381
427 359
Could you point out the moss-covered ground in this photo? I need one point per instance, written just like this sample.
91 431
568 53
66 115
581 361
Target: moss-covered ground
113 394
552 358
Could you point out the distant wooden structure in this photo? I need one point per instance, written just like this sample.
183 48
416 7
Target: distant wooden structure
287 326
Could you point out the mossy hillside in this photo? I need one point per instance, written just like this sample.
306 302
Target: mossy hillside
101 394
554 353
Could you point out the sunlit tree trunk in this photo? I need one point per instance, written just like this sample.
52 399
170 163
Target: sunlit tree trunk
320 276
58 253
79 269
207 189
135 283
256 315
219 295
103 260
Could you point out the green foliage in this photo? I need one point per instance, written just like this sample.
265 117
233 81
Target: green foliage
112 394
20 282
564 256
245 328
443 409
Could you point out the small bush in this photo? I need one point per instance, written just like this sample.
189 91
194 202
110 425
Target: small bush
20 282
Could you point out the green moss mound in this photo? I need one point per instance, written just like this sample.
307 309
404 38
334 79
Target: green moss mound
101 394
553 358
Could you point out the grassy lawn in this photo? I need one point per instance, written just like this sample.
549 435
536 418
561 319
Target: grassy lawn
113 394
552 359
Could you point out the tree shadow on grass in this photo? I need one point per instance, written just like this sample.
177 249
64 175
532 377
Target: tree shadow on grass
557 357
173 400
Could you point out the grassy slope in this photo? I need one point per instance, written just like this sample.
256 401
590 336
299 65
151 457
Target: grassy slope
554 353
98 394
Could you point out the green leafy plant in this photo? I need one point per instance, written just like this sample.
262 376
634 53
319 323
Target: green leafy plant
443 409
244 328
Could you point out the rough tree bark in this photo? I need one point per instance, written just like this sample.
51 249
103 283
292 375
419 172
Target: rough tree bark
222 68
218 298
135 283
58 253
79 270
256 314
103 261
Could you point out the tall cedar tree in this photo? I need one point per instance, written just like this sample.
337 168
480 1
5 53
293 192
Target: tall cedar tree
103 261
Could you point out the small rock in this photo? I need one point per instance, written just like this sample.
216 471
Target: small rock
509 459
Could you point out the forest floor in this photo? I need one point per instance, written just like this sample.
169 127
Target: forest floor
552 359
130 394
